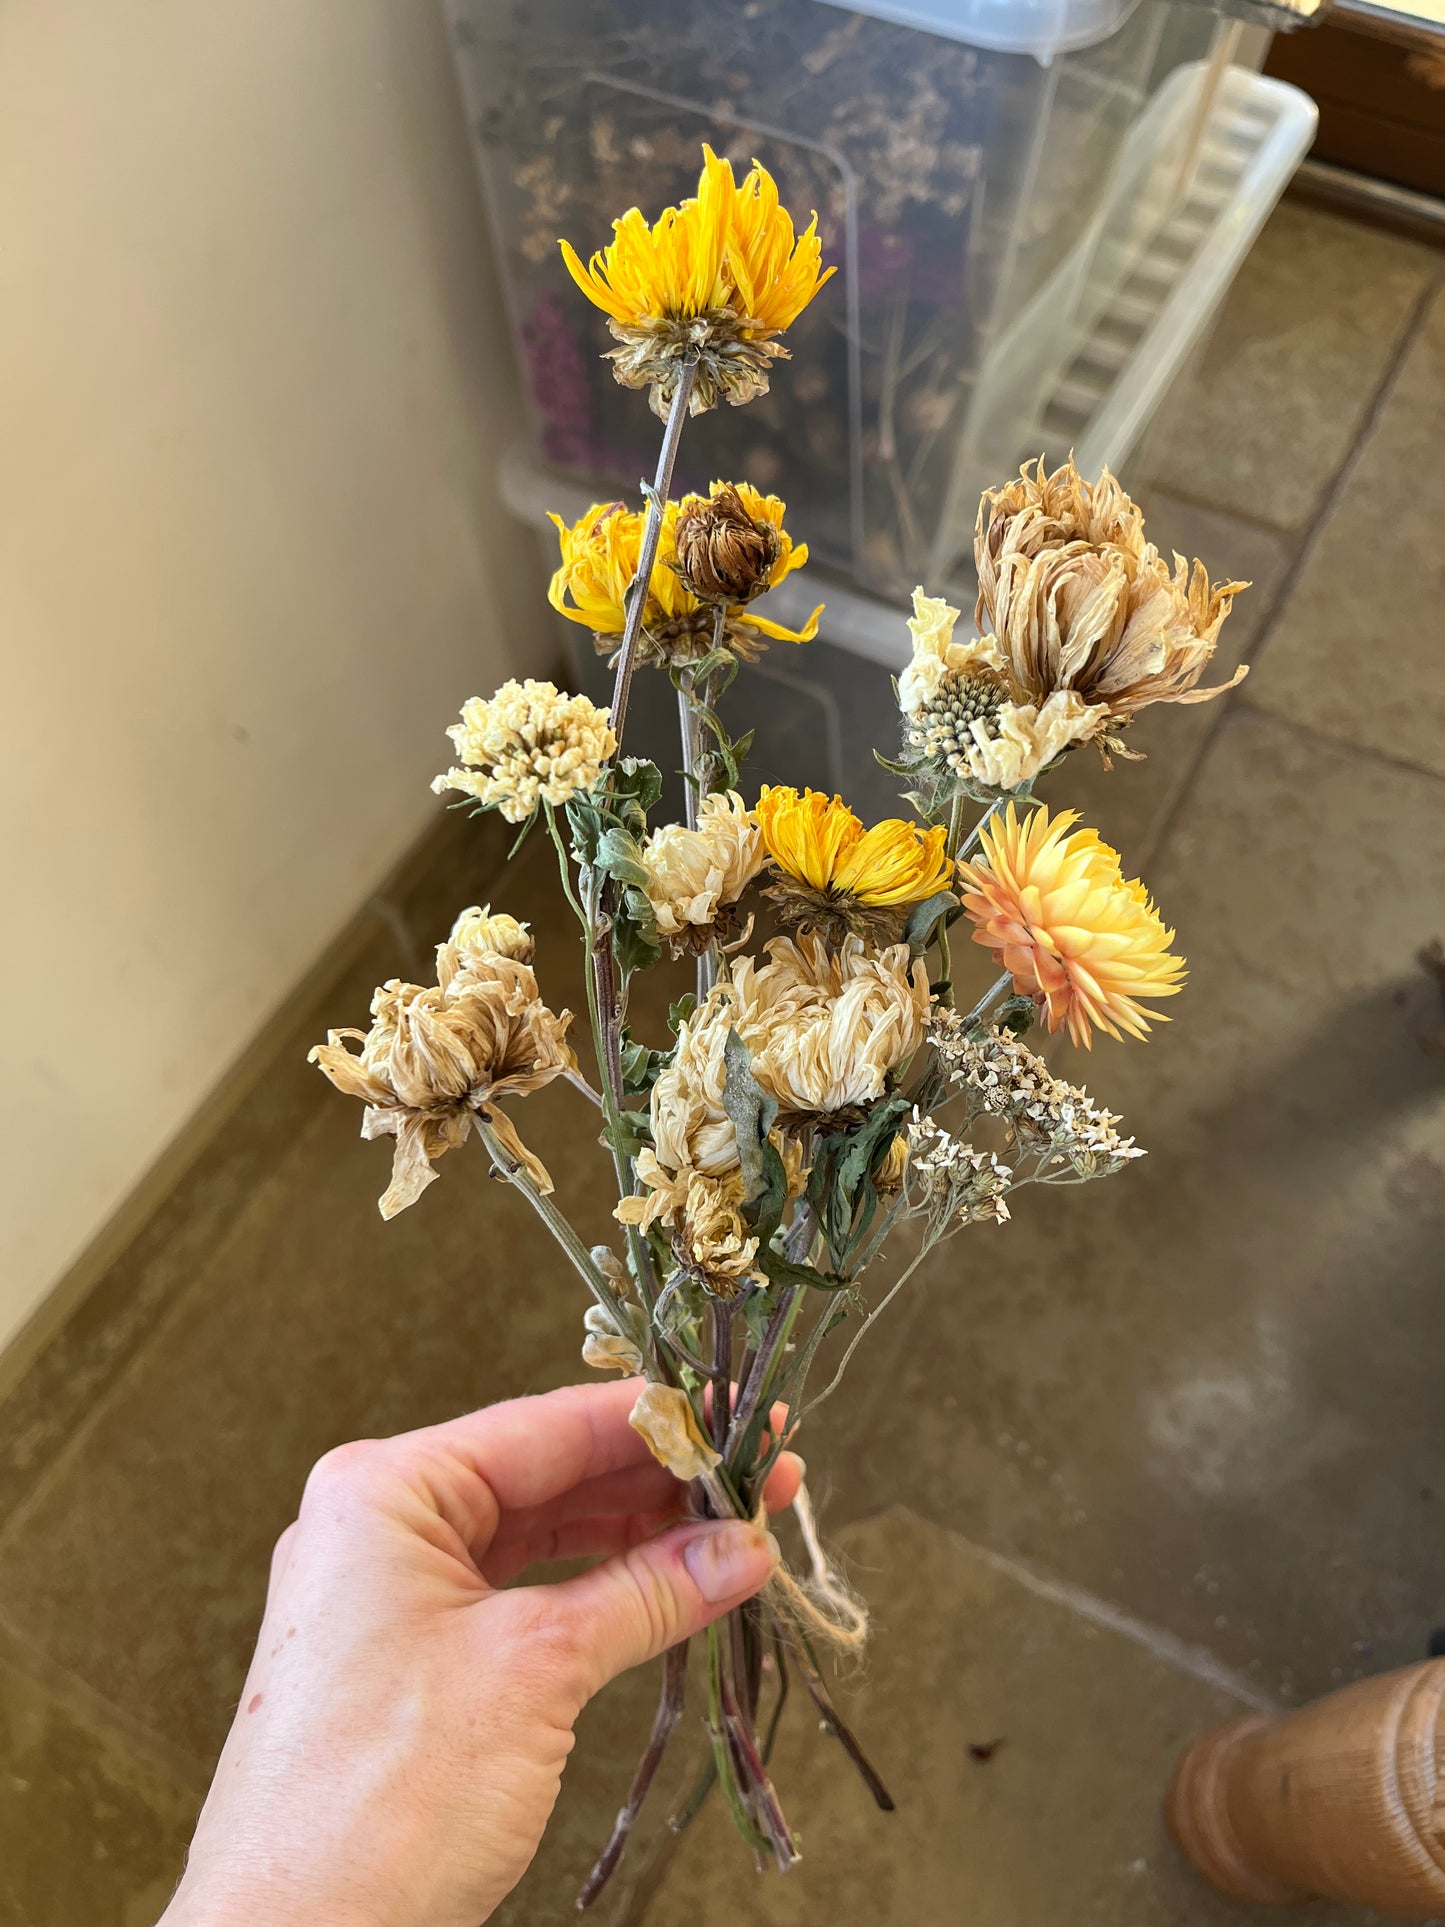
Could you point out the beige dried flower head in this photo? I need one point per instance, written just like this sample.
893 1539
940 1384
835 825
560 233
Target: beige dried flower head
434 1061
529 744
696 877
963 712
478 932
823 1028
1080 601
611 1344
663 1415
826 1027
702 1216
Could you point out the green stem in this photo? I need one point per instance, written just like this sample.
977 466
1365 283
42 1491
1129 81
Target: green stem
647 547
857 1339
990 996
607 1096
550 1216
721 1750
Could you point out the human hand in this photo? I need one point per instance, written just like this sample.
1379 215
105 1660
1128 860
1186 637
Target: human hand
403 1728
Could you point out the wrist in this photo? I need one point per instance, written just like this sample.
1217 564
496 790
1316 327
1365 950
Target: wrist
207 1899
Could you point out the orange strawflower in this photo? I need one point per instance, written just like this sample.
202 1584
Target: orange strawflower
1053 906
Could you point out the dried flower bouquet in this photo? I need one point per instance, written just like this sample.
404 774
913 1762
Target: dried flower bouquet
820 1091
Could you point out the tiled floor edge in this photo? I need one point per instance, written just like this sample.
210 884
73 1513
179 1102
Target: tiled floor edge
1167 1647
39 1347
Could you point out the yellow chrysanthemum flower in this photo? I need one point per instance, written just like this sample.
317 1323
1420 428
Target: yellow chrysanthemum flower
599 559
1053 906
672 270
715 280
838 877
775 272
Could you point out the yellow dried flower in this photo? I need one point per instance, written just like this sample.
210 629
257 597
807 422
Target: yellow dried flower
716 279
962 708
891 1172
838 878
478 933
1080 601
1056 912
664 1417
436 1060
695 877
529 744
600 553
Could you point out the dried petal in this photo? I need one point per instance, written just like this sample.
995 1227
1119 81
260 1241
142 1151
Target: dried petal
663 1415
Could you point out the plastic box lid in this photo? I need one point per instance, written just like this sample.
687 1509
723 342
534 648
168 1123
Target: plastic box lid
1042 28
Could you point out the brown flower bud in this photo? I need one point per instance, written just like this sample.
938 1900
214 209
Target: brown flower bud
723 553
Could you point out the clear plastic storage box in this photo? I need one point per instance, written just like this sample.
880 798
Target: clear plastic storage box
977 171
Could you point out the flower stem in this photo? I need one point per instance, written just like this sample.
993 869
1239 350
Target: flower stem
664 1725
609 1097
884 1302
550 1216
999 803
990 996
803 1658
647 548
722 1341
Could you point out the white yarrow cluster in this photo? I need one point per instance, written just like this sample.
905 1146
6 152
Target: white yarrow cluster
1056 1122
952 1181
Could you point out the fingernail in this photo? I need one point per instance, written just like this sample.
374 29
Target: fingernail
724 1560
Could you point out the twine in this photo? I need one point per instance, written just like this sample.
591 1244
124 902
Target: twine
823 1606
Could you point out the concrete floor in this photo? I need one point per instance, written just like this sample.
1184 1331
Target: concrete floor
1160 1446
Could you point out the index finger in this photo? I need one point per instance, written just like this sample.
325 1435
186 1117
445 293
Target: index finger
531 1450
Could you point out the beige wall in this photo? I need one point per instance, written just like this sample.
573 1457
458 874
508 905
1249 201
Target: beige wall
252 384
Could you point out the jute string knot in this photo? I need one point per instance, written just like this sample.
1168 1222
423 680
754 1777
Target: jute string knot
823 1607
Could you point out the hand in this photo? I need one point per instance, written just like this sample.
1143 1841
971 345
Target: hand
403 1728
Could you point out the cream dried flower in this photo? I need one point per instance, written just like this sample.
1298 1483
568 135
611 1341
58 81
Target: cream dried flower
529 744
702 1215
695 877
823 1029
962 710
939 660
435 1061
1080 601
663 1415
478 932
607 1346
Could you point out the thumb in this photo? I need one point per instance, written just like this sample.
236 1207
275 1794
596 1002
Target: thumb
638 1603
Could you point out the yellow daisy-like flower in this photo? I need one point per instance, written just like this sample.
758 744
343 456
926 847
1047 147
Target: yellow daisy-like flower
671 270
599 559
838 877
1053 906
715 280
